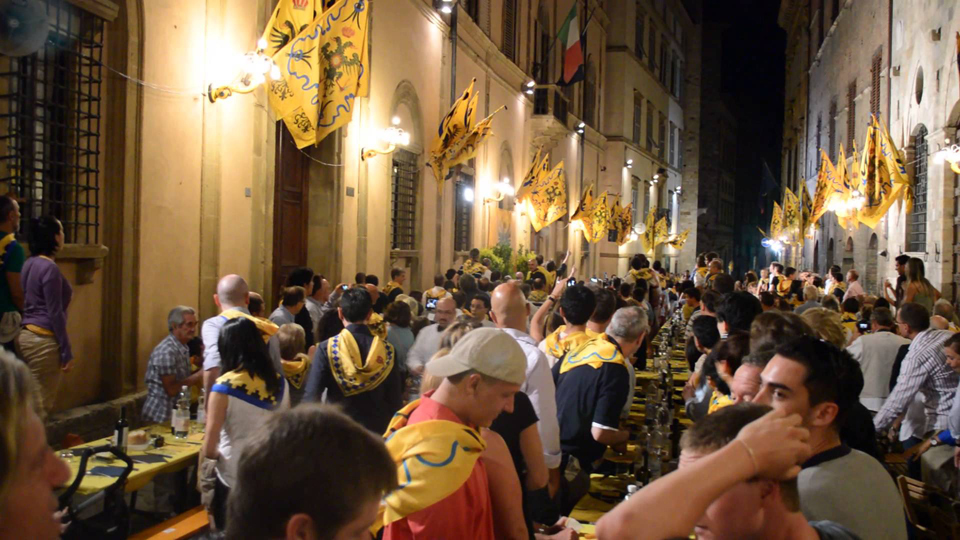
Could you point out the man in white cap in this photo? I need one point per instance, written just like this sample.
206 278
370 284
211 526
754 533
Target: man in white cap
436 441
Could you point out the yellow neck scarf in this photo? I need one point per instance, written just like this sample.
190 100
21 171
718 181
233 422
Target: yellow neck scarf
538 297
551 278
389 287
593 353
4 242
473 267
702 271
295 371
718 401
557 346
377 326
434 458
436 292
249 388
783 286
353 374
267 329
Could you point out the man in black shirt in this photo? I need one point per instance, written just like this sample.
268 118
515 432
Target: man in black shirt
592 388
303 277
356 368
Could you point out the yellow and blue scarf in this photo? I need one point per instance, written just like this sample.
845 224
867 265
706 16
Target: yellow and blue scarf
473 268
377 326
849 321
295 371
249 388
718 401
538 297
267 329
354 374
594 353
702 271
557 346
434 459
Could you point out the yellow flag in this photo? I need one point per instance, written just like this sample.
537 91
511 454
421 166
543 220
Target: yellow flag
662 231
677 241
776 221
648 240
322 70
549 199
289 18
599 218
537 167
466 148
791 213
454 127
882 169
624 224
582 211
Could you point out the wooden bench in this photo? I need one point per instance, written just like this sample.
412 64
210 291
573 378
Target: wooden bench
186 525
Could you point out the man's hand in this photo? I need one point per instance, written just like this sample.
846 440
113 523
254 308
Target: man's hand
562 284
689 391
67 367
776 444
565 258
917 450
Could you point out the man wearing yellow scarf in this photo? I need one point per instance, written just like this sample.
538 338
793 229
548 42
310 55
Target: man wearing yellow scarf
472 266
393 289
576 307
357 367
534 270
435 442
593 387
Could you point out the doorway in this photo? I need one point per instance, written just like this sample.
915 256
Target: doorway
290 210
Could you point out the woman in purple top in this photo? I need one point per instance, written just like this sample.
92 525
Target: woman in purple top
43 343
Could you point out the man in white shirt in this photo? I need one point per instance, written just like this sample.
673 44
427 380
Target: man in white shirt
318 302
510 313
876 353
428 340
854 289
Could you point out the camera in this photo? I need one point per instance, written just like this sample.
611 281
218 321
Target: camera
863 326
571 282
431 303
344 287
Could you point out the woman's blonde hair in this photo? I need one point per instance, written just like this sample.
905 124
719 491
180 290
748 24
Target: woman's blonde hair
450 337
827 325
18 395
916 274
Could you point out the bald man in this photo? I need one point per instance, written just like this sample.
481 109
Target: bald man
510 312
233 296
428 340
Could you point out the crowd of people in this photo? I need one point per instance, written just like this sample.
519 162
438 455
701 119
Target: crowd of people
479 407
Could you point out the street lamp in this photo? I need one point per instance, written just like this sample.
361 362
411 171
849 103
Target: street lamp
392 136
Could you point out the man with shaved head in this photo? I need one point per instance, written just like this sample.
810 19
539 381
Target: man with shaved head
232 298
510 312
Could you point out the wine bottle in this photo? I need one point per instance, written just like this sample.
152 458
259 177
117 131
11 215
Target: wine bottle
120 431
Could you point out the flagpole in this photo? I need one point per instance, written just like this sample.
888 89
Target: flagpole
538 67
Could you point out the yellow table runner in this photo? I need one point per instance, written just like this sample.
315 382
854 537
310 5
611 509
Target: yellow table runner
182 453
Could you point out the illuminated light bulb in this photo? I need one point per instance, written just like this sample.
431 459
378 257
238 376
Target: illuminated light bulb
468 194
395 120
531 84
262 44
446 9
275 73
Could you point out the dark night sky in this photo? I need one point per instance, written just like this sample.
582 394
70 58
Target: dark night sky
753 75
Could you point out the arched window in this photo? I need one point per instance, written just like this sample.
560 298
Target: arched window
917 222
406 171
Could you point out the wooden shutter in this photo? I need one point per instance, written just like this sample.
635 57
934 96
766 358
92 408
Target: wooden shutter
509 29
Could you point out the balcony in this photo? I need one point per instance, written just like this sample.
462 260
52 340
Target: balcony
549 120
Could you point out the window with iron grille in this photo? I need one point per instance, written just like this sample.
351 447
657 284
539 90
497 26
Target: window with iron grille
917 223
851 114
664 65
406 180
51 115
463 212
635 199
649 126
674 60
639 34
510 29
679 148
637 118
819 130
875 69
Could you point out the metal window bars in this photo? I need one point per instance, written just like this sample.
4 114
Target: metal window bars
50 114
917 223
406 176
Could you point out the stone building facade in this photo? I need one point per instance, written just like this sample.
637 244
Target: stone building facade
181 191
849 59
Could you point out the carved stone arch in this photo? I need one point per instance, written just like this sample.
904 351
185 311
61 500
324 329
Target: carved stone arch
405 97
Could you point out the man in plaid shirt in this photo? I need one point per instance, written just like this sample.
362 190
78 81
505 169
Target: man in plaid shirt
924 370
168 369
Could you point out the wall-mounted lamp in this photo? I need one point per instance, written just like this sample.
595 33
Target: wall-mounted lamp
580 128
500 190
253 72
628 164
528 88
392 136
445 6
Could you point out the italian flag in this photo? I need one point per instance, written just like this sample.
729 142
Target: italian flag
572 49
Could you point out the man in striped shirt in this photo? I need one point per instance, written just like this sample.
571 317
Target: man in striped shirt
924 370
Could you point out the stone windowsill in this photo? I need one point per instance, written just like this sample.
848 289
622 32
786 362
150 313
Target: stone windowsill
89 259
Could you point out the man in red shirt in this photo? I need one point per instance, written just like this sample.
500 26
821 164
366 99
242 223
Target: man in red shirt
436 441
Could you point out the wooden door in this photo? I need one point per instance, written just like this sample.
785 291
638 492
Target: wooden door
290 210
